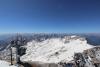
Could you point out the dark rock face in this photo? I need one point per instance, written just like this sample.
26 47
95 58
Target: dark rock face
89 58
79 60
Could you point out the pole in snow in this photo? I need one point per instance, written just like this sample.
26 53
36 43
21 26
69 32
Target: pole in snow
12 43
11 56
17 45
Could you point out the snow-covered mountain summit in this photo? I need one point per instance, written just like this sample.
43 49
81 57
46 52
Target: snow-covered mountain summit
55 50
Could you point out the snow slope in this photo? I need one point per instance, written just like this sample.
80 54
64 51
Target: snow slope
55 50
5 64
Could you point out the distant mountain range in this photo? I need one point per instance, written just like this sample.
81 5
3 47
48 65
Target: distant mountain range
92 38
41 41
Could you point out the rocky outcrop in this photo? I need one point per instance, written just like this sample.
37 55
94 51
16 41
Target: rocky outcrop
89 58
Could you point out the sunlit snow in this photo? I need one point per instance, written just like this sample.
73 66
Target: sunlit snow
5 64
55 50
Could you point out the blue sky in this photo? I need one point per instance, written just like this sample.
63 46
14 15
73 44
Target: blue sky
49 16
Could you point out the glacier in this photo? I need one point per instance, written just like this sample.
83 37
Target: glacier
55 50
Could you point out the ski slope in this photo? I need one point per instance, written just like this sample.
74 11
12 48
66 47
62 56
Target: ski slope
55 50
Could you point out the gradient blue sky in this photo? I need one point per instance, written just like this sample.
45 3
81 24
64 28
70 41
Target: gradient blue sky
49 16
